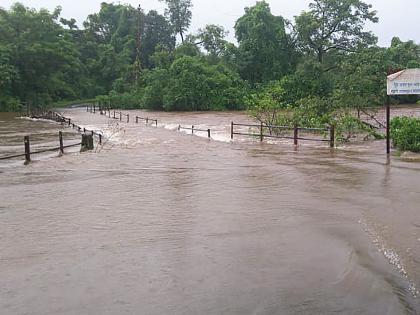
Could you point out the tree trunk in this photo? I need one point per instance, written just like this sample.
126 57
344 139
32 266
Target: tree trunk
320 55
182 36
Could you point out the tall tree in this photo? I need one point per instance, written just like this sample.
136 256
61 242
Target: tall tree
212 38
335 26
179 14
265 50
157 34
42 60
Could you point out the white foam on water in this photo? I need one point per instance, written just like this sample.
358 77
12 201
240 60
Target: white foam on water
37 119
221 137
170 126
390 254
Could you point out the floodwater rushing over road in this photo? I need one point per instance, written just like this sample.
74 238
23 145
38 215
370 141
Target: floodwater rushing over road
161 222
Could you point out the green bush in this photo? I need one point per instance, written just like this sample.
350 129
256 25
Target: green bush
9 104
405 133
194 85
157 81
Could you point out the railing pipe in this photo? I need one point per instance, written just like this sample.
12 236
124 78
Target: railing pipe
60 137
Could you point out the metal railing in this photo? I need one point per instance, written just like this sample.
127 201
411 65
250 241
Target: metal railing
192 128
50 115
28 153
147 120
262 127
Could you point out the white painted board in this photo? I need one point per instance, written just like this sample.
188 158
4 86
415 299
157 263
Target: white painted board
405 82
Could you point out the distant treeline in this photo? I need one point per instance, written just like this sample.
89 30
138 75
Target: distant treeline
321 61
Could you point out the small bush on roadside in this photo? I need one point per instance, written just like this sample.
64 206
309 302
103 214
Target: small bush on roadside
405 133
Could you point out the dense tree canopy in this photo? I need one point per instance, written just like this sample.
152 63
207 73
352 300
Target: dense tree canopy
335 26
179 15
39 60
321 63
265 50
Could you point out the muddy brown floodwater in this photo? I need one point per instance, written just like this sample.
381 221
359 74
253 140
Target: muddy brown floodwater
161 222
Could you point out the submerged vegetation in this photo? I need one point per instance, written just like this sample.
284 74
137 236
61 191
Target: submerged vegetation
405 133
317 69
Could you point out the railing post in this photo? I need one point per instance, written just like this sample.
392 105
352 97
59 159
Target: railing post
128 118
94 108
114 114
60 137
84 129
388 125
261 133
69 121
27 149
192 129
100 139
231 131
87 143
332 136
296 134
87 107
156 122
208 132
179 127
120 116
147 120
137 119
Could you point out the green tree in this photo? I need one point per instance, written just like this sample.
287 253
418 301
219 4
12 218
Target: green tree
179 14
309 79
212 38
157 35
335 26
157 82
404 54
42 60
195 85
265 50
362 81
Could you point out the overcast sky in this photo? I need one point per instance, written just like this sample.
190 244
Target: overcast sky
396 17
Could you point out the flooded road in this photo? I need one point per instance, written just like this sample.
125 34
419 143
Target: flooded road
161 222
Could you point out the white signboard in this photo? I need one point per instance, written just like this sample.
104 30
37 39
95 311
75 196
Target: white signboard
406 82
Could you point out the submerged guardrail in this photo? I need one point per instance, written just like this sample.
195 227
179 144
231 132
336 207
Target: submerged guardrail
28 152
261 127
50 115
192 128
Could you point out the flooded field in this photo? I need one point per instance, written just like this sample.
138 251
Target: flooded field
161 222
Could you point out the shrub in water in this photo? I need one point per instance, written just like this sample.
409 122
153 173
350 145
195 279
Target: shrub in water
405 133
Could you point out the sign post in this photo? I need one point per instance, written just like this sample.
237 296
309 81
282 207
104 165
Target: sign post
405 82
388 124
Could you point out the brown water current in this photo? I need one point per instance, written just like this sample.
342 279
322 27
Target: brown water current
161 222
